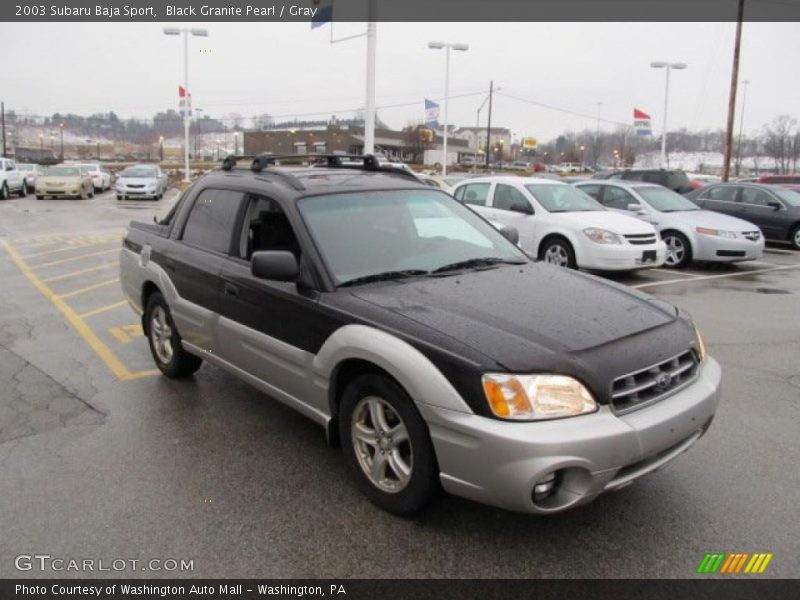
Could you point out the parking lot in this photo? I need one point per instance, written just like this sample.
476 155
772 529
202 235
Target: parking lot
100 457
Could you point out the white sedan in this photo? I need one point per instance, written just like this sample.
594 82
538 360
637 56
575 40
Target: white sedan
562 225
100 177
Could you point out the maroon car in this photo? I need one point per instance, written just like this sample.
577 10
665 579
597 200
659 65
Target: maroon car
788 181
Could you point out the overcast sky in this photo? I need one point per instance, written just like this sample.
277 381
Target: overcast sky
287 69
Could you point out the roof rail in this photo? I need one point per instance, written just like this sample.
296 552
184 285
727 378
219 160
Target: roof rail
369 162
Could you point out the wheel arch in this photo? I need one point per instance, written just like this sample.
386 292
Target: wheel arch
688 235
356 349
148 289
558 235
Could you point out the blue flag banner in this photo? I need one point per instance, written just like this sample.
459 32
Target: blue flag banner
324 13
431 114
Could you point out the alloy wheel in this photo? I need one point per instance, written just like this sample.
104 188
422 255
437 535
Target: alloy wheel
382 444
161 335
557 255
675 250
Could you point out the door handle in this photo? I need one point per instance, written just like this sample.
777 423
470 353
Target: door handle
230 290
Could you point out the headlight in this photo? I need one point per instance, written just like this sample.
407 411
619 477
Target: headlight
701 347
602 236
716 232
535 397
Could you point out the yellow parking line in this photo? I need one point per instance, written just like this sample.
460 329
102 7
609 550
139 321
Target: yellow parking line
71 258
88 288
81 272
102 309
74 247
90 337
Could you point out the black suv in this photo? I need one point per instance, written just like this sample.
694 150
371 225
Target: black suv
424 341
676 180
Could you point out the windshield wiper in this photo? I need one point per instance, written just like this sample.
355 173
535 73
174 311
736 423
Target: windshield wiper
385 276
477 262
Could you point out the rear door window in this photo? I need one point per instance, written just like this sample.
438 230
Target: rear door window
475 193
211 220
722 193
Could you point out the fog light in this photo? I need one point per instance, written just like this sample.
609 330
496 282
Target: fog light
544 487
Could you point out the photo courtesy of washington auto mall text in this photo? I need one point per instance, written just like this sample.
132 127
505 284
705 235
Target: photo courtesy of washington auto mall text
400 299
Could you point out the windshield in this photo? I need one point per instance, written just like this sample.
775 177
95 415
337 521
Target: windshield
664 200
63 172
138 172
562 198
369 233
790 197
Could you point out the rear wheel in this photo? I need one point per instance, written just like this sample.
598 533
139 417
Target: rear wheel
4 192
679 252
23 191
559 252
386 445
794 237
165 343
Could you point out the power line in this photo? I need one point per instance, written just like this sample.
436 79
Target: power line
562 110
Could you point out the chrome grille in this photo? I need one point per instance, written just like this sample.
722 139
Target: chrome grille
753 236
641 239
653 383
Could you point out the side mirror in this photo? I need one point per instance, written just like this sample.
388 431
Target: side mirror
521 207
775 205
277 265
510 233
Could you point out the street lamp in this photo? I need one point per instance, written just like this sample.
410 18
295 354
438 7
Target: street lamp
161 148
61 128
745 83
236 143
668 66
447 47
186 118
53 144
41 146
582 149
218 143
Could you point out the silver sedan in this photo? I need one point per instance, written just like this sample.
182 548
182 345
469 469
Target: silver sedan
689 232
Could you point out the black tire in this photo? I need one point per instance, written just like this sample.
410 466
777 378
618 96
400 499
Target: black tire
794 237
23 191
675 240
4 192
560 247
119 197
39 197
422 485
181 364
91 193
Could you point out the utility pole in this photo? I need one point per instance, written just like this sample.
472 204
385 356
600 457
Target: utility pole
3 119
489 124
726 162
369 116
741 127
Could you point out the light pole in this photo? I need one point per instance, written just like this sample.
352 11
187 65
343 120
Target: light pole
668 66
236 143
447 47
478 127
41 146
161 148
582 163
218 142
61 128
745 83
53 144
186 116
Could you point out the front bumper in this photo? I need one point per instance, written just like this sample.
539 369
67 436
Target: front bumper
619 257
137 193
499 462
61 191
719 249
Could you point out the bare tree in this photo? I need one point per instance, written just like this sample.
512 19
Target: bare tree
779 142
416 139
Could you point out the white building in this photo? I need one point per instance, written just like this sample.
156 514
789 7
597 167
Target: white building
499 136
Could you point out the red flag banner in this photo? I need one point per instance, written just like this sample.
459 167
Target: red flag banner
641 122
181 91
638 114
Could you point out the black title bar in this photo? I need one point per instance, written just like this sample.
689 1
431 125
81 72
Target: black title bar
397 10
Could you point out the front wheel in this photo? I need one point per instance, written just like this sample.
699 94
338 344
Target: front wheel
165 343
559 252
679 252
386 445
4 194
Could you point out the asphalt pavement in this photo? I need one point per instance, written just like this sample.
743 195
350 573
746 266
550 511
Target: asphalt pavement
101 458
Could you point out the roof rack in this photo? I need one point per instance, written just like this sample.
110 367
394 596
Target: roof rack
368 162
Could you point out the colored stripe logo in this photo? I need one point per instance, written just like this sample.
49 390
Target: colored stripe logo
734 563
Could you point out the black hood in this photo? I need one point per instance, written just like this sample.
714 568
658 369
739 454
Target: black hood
537 317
